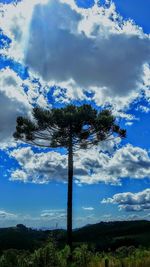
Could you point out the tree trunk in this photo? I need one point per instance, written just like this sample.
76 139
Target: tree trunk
70 191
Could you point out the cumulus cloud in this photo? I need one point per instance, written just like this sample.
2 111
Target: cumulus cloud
131 201
13 102
80 50
146 82
93 50
89 168
15 23
128 161
17 98
39 167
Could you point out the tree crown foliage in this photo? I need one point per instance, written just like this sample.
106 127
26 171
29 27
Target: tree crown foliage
83 126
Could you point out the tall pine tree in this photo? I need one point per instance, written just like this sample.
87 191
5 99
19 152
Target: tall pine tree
72 127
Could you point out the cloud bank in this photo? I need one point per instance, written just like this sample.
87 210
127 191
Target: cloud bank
86 54
89 168
131 201
94 51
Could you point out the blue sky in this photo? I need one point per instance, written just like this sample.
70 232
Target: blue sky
75 52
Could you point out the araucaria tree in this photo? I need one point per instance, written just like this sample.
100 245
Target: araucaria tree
71 127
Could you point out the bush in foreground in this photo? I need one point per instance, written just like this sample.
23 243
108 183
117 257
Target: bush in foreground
50 256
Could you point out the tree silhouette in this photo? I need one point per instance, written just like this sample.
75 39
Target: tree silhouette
72 127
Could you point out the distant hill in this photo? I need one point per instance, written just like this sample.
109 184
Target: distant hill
112 235
20 237
103 236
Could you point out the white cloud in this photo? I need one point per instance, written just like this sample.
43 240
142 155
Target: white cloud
53 214
15 23
6 215
20 175
146 84
131 201
13 102
48 219
128 161
39 167
88 208
95 51
76 49
144 109
89 168
129 123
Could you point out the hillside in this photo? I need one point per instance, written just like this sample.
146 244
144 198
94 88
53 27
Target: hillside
103 236
112 235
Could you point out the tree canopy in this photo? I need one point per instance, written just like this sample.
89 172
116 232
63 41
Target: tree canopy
53 127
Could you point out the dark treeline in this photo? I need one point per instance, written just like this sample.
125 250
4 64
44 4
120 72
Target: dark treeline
102 236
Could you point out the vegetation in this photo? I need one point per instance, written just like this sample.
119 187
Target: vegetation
102 236
71 127
50 256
